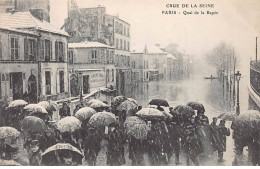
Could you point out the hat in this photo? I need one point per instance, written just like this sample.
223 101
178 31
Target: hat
34 143
171 108
204 120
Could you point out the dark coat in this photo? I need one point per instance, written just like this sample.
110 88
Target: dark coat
136 151
223 133
115 150
91 148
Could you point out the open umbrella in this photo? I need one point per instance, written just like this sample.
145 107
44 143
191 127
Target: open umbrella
99 105
196 106
150 114
16 103
102 119
8 163
84 113
184 110
94 101
52 154
32 109
159 102
136 127
132 100
249 116
33 124
48 106
68 124
8 132
116 101
127 105
228 116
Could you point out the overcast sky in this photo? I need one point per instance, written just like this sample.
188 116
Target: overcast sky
197 34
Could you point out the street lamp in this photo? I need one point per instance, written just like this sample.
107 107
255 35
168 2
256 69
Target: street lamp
238 76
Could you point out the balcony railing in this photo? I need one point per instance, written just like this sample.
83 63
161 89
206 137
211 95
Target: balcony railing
255 77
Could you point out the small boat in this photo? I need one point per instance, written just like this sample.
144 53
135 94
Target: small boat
211 77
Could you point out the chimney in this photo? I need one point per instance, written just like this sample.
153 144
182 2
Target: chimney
158 45
37 13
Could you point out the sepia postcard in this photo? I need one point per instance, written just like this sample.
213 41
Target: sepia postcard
129 83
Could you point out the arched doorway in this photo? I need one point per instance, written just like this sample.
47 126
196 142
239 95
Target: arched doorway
74 87
32 89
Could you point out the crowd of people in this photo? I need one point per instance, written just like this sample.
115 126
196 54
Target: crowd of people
192 136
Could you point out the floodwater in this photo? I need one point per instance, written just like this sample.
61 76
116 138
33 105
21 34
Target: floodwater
208 92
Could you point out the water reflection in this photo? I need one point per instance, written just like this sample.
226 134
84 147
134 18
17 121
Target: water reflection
209 93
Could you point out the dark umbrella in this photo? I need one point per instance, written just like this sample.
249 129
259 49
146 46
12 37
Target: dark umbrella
159 102
228 116
184 110
52 155
33 124
116 101
196 106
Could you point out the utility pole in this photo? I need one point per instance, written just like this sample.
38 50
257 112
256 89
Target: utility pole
256 50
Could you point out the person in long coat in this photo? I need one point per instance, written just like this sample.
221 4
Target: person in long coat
214 134
136 151
175 137
92 146
223 133
64 111
115 150
191 146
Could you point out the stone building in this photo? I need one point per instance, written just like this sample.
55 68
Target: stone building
39 8
91 63
94 24
34 58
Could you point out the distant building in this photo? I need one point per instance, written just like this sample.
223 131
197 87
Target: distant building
93 24
33 58
91 63
39 8
139 65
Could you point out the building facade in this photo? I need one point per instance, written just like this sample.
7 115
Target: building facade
91 66
34 55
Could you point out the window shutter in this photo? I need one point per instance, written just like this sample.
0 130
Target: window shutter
42 50
63 52
51 56
26 55
43 83
56 51
58 82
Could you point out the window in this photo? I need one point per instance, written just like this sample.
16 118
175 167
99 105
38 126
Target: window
47 50
107 75
121 44
124 45
71 55
94 56
59 51
128 31
1 48
29 49
116 43
14 48
48 82
128 46
128 61
112 75
108 57
61 74
112 57
124 31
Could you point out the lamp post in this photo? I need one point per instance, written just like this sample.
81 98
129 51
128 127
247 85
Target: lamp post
238 76
81 86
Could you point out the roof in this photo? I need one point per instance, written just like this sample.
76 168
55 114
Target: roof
88 45
25 20
171 56
19 31
152 49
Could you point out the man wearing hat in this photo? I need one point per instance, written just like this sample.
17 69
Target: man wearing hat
191 146
92 146
223 133
35 153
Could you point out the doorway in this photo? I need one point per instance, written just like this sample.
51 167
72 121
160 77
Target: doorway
16 85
